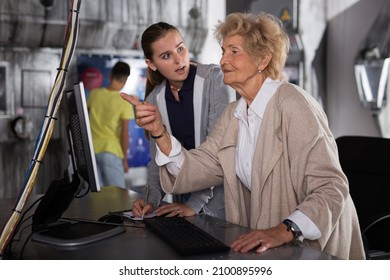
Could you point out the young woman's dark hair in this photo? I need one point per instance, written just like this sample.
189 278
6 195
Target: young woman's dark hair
151 35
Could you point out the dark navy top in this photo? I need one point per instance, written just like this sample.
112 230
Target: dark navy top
181 113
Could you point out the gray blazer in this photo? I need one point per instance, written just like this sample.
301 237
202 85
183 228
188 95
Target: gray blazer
211 96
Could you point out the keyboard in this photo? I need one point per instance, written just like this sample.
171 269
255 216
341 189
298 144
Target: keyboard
185 237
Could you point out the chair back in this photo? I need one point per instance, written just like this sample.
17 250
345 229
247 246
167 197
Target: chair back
366 163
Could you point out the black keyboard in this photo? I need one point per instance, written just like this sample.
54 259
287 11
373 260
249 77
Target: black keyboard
185 237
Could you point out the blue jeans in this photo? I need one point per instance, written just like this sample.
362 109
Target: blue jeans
110 170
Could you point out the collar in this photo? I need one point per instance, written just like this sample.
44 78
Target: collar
189 82
265 93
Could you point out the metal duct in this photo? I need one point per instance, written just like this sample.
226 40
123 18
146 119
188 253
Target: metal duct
109 24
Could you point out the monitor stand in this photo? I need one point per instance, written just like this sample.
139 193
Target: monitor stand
68 234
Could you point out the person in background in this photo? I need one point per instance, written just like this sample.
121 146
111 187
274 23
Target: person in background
190 97
109 118
272 149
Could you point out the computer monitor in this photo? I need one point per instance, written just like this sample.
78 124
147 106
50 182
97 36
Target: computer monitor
82 154
79 178
81 174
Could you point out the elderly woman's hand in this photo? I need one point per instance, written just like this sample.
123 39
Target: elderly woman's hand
147 115
262 240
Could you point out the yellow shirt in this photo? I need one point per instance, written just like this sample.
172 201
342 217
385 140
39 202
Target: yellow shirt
106 111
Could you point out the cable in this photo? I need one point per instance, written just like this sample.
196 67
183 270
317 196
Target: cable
24 245
22 220
47 128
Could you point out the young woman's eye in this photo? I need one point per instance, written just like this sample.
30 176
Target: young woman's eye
180 49
165 56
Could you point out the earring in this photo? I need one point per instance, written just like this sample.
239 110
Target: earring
259 71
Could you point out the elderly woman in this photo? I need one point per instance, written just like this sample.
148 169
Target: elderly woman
272 150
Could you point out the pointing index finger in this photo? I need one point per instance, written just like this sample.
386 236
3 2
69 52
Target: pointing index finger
131 99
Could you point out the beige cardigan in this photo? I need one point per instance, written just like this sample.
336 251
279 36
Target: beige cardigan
295 166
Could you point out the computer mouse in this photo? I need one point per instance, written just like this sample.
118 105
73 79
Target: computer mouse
112 219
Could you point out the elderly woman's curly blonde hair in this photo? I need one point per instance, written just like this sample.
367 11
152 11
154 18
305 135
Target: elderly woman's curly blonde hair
263 34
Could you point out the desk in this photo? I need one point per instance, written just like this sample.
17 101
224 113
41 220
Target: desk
139 243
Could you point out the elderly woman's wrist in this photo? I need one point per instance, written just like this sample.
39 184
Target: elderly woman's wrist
159 135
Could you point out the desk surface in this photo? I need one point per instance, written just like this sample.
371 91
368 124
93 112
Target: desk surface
138 243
